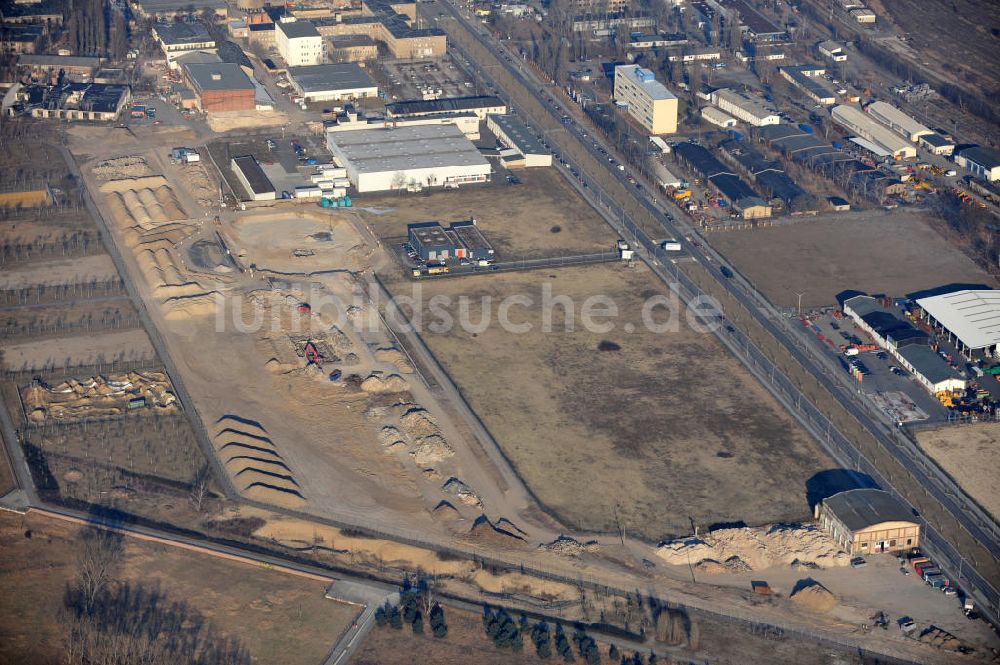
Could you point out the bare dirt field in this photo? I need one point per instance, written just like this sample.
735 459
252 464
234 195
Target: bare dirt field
539 217
968 453
278 618
664 429
67 271
82 350
894 254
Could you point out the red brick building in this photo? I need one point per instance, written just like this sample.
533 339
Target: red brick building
220 86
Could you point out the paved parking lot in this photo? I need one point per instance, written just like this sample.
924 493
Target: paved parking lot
403 79
279 160
895 391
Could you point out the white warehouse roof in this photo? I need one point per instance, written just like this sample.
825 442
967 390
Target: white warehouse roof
411 147
897 120
971 315
855 120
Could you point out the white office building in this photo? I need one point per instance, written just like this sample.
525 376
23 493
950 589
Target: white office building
298 42
408 158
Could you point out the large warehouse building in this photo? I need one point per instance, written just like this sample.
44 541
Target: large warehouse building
481 105
220 86
332 82
649 102
855 120
868 521
897 121
408 157
983 162
970 318
749 108
515 135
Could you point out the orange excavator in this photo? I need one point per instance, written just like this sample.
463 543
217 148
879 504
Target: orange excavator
312 355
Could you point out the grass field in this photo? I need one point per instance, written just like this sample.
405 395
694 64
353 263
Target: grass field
894 254
667 430
278 618
968 453
540 217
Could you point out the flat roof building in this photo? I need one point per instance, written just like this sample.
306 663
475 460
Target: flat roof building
166 10
868 521
352 48
832 50
220 86
717 117
897 121
461 240
970 318
983 162
930 369
176 39
332 82
298 42
409 158
481 105
649 102
804 77
513 133
937 144
750 109
256 183
865 126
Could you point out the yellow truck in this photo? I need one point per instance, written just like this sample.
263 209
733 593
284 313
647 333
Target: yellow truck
682 194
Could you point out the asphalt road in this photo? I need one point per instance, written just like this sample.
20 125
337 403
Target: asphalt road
961 509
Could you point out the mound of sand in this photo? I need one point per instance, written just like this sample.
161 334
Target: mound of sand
941 639
516 583
275 366
486 532
393 383
253 462
391 437
758 548
189 307
232 120
462 492
396 357
429 449
813 595
567 546
417 422
446 510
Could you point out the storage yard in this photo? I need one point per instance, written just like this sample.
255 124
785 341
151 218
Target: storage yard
628 433
894 252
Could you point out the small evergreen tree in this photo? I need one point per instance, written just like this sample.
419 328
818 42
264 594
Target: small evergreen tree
613 653
418 623
438 625
395 618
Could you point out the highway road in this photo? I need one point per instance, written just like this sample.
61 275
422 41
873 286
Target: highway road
961 509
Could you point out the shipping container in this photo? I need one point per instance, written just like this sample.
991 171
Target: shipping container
806 128
308 192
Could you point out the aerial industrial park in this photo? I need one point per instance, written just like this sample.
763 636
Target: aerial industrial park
459 331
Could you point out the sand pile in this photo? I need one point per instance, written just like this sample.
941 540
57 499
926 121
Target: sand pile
461 491
417 422
486 532
446 510
131 166
99 396
200 184
758 548
257 468
941 639
376 384
228 121
814 596
396 357
182 308
567 546
146 202
518 584
430 449
390 437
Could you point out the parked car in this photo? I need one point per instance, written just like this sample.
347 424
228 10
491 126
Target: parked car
858 562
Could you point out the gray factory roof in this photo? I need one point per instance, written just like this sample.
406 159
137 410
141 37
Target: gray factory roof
39 60
936 140
985 157
341 76
524 141
182 33
816 87
297 29
403 148
443 104
218 76
259 182
928 363
429 234
346 41
96 97
972 315
231 52
862 508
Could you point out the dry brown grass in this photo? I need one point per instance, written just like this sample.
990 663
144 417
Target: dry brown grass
895 254
968 453
279 618
666 431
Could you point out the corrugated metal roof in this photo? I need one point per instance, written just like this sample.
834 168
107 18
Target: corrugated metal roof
971 315
862 508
